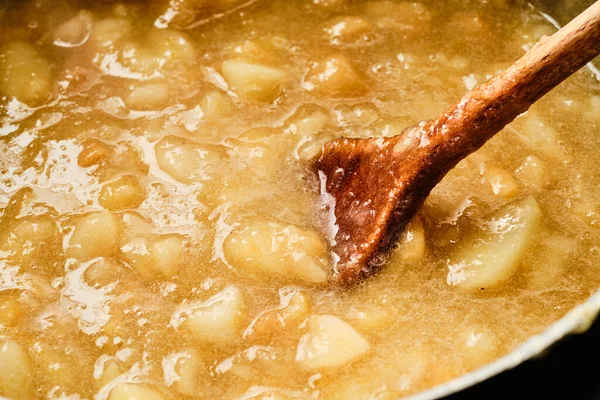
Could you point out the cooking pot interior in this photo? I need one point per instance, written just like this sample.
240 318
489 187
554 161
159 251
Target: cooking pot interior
576 320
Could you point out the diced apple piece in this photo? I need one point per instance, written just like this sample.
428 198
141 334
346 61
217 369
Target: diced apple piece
542 29
371 318
310 147
539 136
94 235
24 73
103 272
24 241
258 361
361 114
75 31
10 309
335 77
166 252
160 53
411 246
181 371
216 320
253 81
312 124
135 391
451 216
94 152
493 253
216 105
548 260
387 127
532 172
171 47
16 371
262 52
309 119
584 204
500 181
293 310
405 16
273 249
125 192
256 158
154 257
478 344
329 343
135 224
108 33
347 29
148 96
38 291
110 370
187 161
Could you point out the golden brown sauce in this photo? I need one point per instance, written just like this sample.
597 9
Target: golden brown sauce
160 229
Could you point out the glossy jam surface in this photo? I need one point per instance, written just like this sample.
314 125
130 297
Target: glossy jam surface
160 225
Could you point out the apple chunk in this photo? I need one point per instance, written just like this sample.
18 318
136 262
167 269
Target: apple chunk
494 251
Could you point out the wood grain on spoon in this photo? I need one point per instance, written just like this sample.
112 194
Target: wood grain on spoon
376 185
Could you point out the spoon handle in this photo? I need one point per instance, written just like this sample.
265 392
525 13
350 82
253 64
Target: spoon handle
484 111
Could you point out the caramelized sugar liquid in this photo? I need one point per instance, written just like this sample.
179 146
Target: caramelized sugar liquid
151 175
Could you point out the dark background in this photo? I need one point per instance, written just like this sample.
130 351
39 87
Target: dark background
569 370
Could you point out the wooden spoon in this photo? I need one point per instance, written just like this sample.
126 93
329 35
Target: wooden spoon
376 185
